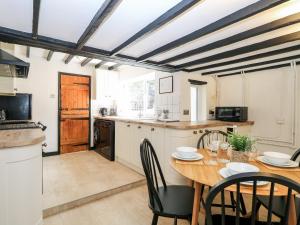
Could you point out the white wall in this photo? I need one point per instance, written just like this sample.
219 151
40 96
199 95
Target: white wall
42 82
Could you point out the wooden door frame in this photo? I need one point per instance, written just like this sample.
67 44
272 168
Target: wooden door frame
59 105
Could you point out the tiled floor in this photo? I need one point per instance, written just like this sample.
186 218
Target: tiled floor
126 208
73 176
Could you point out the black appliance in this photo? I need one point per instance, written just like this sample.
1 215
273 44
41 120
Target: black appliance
103 111
16 107
104 138
232 114
11 66
15 125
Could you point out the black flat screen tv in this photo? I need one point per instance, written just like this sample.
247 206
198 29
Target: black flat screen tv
17 107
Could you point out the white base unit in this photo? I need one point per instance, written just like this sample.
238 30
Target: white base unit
21 185
164 140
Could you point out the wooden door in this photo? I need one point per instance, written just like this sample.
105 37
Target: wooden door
74 112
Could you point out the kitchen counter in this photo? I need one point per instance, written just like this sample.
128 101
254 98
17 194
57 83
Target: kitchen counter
18 138
182 125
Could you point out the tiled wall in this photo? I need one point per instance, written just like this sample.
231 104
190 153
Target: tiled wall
169 101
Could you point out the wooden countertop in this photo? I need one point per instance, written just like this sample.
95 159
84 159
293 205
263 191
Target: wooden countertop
18 138
182 125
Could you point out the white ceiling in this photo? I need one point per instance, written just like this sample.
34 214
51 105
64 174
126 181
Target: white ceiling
67 19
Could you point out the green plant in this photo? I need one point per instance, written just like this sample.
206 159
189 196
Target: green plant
240 143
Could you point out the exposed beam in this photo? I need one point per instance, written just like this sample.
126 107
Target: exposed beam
114 67
277 24
279 60
68 59
237 16
35 18
245 59
100 64
86 61
178 9
22 38
257 70
103 13
246 49
50 54
27 51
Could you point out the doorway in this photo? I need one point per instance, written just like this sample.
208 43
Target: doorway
74 111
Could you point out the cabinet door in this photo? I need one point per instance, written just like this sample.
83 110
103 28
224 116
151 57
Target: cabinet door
157 138
122 141
138 133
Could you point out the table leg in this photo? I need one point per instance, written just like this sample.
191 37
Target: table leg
196 205
292 212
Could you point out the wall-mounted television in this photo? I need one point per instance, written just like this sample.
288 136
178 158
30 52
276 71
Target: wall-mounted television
17 107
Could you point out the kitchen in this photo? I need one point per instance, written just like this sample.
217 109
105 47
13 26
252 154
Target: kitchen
97 101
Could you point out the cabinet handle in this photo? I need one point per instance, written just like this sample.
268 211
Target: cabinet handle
128 125
139 127
152 129
200 131
195 132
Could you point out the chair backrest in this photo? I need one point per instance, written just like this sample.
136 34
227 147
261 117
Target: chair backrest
296 155
153 172
211 135
254 177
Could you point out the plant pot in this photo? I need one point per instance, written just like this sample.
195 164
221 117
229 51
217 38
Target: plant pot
238 156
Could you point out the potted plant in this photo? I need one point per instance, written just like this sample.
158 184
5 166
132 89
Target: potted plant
240 147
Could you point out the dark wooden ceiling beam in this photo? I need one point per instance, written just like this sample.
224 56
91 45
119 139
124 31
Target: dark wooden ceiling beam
258 69
246 49
245 59
114 67
50 54
35 18
103 13
100 64
175 11
86 61
27 51
22 38
274 25
237 16
279 60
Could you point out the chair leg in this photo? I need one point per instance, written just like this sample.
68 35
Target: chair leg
243 207
175 221
232 201
154 219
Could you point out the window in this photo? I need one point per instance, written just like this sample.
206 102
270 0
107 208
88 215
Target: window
137 96
198 102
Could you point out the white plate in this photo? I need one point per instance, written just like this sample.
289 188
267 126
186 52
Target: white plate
186 149
176 156
238 167
224 173
291 164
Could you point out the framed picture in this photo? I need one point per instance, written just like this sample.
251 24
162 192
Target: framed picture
166 85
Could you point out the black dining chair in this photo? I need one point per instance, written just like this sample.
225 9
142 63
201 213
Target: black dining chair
278 209
274 180
204 141
173 201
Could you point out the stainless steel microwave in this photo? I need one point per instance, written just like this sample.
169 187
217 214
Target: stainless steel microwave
232 113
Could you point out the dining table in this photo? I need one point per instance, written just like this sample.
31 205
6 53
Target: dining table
204 172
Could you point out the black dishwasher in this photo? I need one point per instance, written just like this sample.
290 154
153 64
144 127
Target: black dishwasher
104 138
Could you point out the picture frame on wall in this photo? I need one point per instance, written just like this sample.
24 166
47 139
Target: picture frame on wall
166 85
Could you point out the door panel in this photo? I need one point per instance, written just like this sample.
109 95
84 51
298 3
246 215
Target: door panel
74 113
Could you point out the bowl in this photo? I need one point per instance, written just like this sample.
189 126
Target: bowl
237 167
277 157
186 152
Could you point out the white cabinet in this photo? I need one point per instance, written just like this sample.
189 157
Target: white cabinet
21 185
7 85
107 84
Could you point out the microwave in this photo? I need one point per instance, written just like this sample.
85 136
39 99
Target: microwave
232 113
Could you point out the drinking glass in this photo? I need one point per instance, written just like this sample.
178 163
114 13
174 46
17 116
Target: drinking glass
214 147
222 156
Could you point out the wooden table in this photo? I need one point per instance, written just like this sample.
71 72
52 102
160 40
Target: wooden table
203 174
